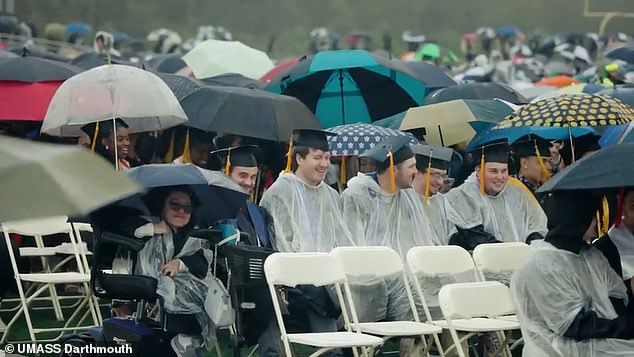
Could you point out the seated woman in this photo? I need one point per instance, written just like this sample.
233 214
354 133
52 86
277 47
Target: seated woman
179 262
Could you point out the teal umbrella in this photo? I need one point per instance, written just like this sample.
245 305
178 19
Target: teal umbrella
350 86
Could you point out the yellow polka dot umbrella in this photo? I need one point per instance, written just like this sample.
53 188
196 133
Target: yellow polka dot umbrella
571 110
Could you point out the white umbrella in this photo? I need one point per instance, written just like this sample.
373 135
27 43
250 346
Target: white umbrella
140 98
212 57
43 180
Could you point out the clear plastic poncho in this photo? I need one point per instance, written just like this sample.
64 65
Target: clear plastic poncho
396 220
305 218
436 209
183 293
552 288
511 216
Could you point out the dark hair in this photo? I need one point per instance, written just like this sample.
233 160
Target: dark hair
303 151
155 199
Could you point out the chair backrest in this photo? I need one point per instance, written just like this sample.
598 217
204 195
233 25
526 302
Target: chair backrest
479 299
38 227
293 269
500 257
375 261
439 260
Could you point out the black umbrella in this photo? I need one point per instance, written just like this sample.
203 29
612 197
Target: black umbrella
247 112
476 91
234 80
169 63
34 69
433 77
622 53
90 60
180 85
219 197
604 169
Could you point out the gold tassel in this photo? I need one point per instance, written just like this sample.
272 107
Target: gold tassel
392 172
169 155
289 158
428 181
228 163
186 154
545 172
342 173
93 145
482 172
603 221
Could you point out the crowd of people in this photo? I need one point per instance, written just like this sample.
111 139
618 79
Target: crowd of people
574 295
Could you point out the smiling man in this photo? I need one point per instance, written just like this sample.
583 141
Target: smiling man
306 217
382 209
491 206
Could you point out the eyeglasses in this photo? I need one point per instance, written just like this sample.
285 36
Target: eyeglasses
175 206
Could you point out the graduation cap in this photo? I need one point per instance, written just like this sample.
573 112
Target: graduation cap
390 152
99 130
493 152
311 138
582 145
245 156
533 146
193 137
432 156
428 157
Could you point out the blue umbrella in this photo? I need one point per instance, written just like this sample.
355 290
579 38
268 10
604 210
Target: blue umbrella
355 139
220 197
507 31
617 134
512 134
350 86
78 28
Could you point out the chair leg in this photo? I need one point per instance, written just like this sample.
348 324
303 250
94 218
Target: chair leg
59 315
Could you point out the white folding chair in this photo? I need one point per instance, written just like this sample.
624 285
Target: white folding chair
47 280
474 308
504 257
435 261
318 269
45 253
382 262
499 257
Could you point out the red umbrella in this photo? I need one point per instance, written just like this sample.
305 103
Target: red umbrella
23 101
279 68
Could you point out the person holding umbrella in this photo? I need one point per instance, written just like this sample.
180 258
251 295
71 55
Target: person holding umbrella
491 207
179 262
618 245
105 140
306 217
569 299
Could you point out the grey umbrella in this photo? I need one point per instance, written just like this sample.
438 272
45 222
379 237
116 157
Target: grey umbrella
43 180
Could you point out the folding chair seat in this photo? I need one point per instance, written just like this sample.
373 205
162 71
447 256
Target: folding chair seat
495 258
383 262
318 269
47 280
475 308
